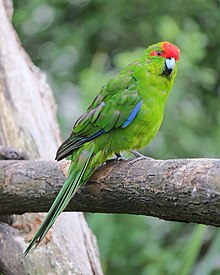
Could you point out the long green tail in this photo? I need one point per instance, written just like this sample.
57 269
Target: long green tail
70 187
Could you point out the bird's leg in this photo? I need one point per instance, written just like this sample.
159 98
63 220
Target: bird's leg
136 153
119 157
139 155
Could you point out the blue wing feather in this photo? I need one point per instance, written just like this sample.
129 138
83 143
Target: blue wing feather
132 115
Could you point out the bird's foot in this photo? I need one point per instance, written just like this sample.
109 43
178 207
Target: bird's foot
119 157
139 156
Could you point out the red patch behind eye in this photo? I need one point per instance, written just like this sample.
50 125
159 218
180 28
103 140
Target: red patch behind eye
168 50
153 54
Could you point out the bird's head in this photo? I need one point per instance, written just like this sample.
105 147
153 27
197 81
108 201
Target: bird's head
166 56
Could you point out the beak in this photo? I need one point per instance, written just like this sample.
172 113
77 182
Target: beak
169 65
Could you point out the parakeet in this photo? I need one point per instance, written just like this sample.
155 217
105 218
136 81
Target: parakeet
125 115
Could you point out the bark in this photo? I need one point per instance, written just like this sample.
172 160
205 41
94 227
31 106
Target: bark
186 190
28 122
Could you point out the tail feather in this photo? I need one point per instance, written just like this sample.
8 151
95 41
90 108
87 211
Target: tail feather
70 187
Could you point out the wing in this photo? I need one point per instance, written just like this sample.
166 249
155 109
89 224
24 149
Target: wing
115 106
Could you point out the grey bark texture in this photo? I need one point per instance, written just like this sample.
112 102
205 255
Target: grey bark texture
186 190
28 122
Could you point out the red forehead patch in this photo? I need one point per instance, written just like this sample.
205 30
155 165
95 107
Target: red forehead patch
170 50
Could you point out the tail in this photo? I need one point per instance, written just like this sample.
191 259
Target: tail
74 180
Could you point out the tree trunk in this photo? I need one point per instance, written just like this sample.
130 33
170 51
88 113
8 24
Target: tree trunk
28 122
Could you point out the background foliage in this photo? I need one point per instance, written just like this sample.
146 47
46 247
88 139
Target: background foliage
80 44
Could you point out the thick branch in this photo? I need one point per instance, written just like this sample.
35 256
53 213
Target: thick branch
186 190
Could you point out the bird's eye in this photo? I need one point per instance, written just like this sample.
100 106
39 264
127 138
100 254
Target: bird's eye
156 53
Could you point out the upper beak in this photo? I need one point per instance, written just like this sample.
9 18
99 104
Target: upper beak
169 65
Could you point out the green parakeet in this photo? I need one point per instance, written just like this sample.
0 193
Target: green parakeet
125 115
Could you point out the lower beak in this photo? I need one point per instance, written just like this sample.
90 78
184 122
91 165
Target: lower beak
169 65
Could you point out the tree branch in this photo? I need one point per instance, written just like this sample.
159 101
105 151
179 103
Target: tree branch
11 153
186 190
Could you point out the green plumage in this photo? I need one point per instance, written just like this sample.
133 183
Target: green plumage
115 122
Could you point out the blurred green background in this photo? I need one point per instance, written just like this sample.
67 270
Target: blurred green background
80 44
